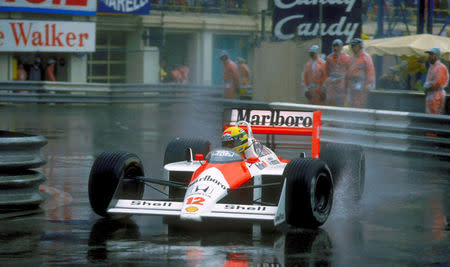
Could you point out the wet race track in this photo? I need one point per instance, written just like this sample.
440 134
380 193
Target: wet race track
401 220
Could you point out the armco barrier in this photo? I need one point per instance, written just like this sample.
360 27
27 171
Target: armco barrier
63 92
378 129
386 130
19 186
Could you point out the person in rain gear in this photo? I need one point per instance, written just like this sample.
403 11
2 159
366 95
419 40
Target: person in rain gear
436 82
230 75
314 74
360 77
337 64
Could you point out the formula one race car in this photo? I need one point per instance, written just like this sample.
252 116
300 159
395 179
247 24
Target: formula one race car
221 185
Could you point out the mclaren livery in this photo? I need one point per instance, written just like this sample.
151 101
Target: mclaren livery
202 184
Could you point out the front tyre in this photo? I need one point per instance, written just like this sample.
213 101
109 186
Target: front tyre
110 169
309 192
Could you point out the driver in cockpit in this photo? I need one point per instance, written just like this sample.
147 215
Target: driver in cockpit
236 138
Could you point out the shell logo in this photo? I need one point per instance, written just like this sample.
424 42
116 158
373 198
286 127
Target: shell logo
191 209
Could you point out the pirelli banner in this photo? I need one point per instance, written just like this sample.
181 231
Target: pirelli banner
46 36
137 7
340 19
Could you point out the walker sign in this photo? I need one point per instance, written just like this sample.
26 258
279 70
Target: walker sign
46 36
340 19
72 7
137 7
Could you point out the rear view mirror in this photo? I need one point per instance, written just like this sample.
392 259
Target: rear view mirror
188 154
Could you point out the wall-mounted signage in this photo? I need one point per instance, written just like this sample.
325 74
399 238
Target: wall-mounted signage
141 7
46 36
73 7
302 18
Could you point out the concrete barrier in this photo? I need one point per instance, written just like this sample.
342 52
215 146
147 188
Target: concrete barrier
400 100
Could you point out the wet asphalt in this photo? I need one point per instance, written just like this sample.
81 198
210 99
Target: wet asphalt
402 219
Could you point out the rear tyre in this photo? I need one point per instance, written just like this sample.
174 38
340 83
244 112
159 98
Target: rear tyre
347 164
108 170
309 192
176 149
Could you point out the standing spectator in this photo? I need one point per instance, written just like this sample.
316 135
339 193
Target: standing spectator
337 64
162 73
391 80
21 73
314 74
244 71
230 75
184 72
437 80
360 77
50 71
35 73
175 75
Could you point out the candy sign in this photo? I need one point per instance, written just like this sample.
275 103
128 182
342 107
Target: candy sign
47 36
74 7
340 19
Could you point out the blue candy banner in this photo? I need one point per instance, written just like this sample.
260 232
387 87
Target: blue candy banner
325 19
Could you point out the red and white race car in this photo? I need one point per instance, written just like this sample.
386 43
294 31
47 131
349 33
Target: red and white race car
220 185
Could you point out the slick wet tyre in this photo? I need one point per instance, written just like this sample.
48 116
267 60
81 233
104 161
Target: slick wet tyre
347 164
309 192
108 171
176 149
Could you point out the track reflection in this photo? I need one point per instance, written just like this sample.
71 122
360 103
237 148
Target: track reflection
120 240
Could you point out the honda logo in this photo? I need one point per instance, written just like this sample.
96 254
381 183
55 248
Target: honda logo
204 188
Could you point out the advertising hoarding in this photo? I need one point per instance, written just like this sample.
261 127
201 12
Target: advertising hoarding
137 7
73 7
46 36
302 18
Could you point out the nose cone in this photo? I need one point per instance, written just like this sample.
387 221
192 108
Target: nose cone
203 193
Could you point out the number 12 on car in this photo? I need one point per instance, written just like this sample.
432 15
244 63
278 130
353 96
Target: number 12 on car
195 201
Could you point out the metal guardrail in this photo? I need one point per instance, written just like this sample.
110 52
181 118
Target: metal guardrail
378 129
19 186
64 92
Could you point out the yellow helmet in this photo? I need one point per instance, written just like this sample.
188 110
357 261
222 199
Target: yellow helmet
236 138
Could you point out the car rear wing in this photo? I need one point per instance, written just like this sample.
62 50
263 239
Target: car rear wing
279 122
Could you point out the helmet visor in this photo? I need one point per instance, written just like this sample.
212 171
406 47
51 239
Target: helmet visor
230 143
